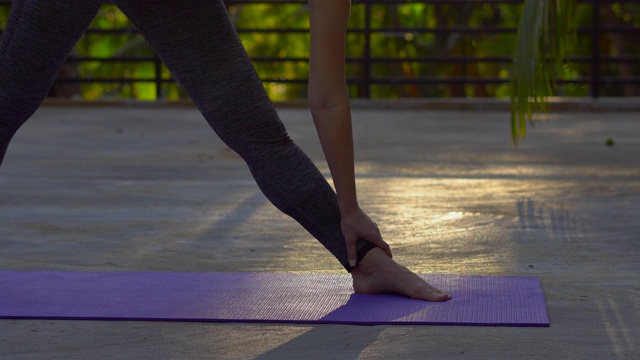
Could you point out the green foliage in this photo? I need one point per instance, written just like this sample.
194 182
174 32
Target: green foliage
116 45
432 48
274 45
543 37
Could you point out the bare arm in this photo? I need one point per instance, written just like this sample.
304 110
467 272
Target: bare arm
328 97
330 108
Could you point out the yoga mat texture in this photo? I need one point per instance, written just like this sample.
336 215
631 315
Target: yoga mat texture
264 297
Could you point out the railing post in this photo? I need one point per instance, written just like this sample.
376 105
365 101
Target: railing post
595 50
158 77
366 93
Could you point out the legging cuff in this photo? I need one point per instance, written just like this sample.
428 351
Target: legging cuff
363 248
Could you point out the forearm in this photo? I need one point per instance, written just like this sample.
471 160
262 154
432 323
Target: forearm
333 124
328 95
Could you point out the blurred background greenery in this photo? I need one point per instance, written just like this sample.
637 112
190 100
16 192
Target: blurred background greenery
426 58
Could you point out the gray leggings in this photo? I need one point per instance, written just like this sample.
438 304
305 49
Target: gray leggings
199 45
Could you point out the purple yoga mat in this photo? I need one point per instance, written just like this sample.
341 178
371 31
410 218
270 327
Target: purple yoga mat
264 297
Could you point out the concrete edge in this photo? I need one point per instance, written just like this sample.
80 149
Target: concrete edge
621 104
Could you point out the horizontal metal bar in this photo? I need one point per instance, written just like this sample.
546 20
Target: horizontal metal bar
379 2
425 59
114 80
400 30
361 2
384 31
378 81
111 59
490 59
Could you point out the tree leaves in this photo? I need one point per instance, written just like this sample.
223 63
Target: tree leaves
544 32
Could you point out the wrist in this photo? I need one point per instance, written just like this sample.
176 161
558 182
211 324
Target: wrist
348 206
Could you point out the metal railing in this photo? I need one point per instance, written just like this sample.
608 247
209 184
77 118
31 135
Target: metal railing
366 80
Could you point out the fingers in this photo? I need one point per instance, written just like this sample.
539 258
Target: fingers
379 242
374 238
351 250
357 225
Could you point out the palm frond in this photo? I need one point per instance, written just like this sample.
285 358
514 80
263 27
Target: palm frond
544 33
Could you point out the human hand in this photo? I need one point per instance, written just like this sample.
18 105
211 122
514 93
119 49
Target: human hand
356 225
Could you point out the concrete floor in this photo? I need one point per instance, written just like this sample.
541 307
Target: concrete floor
133 188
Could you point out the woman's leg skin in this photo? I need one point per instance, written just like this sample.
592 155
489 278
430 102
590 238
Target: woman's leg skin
199 45
35 43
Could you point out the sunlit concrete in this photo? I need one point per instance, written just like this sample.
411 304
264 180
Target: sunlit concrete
134 188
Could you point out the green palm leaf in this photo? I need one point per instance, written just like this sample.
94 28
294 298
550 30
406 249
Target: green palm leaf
545 29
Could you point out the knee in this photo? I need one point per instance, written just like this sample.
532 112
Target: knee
251 134
15 111
258 142
18 95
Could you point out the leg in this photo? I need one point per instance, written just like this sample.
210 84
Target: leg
38 38
379 274
201 48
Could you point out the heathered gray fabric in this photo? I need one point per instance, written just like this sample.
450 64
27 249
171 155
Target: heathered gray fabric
197 42
37 39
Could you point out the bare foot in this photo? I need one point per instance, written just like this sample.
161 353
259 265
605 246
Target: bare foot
377 273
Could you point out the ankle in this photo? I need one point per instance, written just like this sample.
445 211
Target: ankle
374 256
